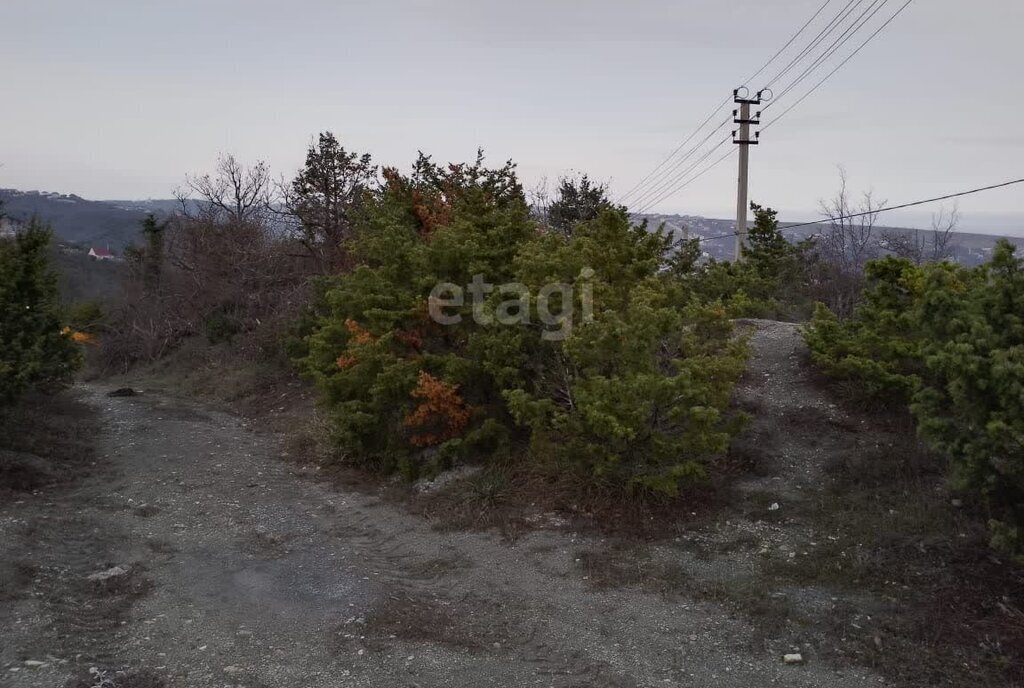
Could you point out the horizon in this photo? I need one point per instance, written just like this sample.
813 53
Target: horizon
159 110
981 223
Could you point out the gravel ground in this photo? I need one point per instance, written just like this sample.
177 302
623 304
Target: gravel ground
241 569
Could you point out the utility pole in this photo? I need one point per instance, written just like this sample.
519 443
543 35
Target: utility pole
742 117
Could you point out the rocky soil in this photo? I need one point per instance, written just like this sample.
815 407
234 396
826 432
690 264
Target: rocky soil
194 555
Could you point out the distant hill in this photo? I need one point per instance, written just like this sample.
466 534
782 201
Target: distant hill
90 223
720 242
117 223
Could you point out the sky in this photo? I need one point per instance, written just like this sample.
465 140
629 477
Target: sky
123 98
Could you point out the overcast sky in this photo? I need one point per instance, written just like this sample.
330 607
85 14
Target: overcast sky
122 98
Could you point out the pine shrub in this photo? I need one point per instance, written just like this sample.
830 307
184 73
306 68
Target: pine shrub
35 351
948 342
633 394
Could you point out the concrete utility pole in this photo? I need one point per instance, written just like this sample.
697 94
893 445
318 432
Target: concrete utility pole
742 117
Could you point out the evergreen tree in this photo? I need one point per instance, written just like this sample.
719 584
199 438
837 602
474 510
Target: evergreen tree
611 376
770 281
34 352
325 197
578 200
152 259
948 341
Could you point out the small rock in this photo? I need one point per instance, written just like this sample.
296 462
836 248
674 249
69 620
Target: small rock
774 507
35 663
233 670
244 633
114 572
957 503
795 658
122 392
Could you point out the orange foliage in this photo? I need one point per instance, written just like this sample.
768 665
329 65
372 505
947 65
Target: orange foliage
432 212
360 335
440 408
345 362
410 338
80 337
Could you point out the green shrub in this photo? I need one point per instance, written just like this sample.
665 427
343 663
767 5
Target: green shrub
34 351
973 408
879 348
772 280
948 342
633 393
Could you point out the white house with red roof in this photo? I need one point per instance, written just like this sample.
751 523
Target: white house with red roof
101 253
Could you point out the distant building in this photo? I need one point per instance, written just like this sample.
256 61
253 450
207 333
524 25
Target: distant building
101 254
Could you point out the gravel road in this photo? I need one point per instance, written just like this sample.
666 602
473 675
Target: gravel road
238 568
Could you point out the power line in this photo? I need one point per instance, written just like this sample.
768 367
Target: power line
657 186
880 210
657 170
822 34
669 184
905 205
788 43
674 152
840 65
692 179
852 30
720 236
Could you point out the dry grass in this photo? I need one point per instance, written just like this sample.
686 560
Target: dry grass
950 605
515 498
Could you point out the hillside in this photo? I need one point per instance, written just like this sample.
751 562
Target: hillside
116 223
78 220
718 241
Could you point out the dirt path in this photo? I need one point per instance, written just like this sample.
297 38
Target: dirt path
241 570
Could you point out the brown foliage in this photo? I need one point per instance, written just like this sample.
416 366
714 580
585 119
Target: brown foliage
221 278
442 411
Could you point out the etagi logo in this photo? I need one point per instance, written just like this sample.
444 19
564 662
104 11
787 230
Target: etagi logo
555 304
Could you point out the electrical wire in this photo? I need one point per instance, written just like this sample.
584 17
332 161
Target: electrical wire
674 152
679 163
788 43
691 180
666 187
839 66
905 205
876 212
624 197
669 185
822 34
851 31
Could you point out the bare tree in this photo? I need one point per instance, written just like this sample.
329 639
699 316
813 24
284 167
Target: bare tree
539 198
850 240
234 193
926 246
